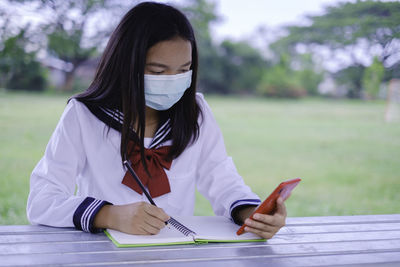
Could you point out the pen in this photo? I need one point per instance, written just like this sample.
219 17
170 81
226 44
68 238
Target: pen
130 169
180 227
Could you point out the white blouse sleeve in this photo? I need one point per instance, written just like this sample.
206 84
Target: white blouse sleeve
218 179
52 200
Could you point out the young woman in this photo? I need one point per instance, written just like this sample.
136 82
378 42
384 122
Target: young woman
142 106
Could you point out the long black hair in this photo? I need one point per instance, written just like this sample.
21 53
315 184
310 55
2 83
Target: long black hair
119 80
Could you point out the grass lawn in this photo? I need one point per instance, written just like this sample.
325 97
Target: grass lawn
348 157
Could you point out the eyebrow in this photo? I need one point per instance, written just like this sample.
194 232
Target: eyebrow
156 64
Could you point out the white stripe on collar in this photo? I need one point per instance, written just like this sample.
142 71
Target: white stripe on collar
159 136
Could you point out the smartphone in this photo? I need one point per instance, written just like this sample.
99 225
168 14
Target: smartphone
269 205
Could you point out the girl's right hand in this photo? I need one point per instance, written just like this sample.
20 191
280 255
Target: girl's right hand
138 218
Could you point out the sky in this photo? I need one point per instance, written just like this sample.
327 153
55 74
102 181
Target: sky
241 18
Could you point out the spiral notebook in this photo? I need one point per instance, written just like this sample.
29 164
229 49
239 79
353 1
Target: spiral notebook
203 229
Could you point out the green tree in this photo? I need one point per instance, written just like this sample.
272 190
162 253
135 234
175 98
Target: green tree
372 78
67 31
229 67
392 72
202 14
309 75
351 78
243 66
70 30
281 80
20 69
369 27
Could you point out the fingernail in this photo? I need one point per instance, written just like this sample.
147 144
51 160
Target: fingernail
256 216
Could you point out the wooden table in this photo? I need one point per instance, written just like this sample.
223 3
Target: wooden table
370 240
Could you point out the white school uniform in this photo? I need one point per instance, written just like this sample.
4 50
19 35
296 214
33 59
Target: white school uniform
82 170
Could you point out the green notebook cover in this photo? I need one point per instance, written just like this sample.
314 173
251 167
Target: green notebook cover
209 229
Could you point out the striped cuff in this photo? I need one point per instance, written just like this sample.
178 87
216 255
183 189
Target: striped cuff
85 213
242 203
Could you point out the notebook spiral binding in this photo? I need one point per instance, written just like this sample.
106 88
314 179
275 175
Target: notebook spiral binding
180 227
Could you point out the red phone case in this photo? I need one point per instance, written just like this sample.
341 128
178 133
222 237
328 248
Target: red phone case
269 205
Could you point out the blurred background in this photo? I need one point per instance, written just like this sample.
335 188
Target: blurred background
306 89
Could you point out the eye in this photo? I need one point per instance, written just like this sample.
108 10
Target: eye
156 72
183 71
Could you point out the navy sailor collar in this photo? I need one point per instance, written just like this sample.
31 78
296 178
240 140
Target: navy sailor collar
114 119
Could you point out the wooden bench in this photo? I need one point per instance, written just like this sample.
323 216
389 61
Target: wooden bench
368 240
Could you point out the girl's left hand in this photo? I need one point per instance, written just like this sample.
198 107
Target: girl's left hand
266 226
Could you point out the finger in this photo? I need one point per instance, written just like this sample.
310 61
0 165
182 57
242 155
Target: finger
152 217
149 229
140 231
156 212
281 208
257 225
263 234
264 218
154 221
276 220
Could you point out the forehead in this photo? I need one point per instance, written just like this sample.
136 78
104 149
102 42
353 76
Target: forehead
176 51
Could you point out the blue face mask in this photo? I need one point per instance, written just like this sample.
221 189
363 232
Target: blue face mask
163 91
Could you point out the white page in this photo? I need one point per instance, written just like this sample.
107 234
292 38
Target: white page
167 235
214 228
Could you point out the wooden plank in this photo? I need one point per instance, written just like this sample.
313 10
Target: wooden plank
209 252
343 219
37 237
51 237
16 229
339 228
56 247
273 260
106 245
334 237
388 259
